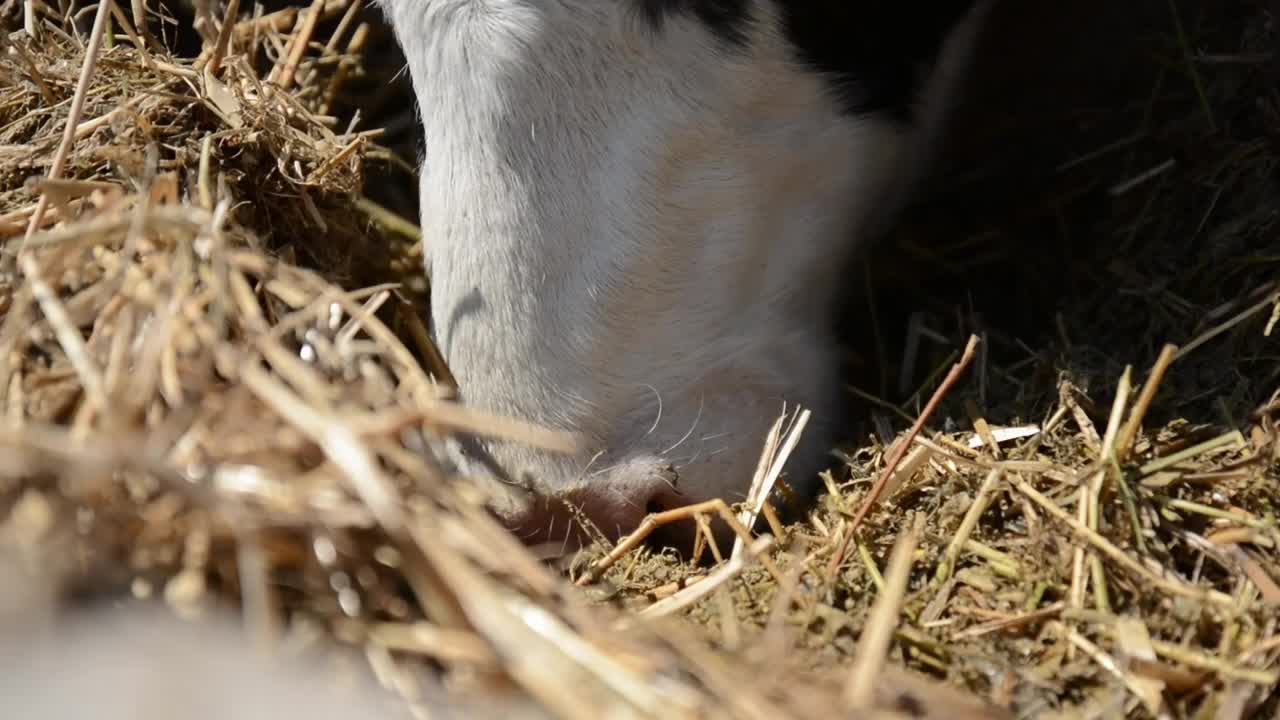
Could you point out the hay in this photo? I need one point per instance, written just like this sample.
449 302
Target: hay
198 408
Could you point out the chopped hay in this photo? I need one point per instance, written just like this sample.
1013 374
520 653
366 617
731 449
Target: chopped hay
199 408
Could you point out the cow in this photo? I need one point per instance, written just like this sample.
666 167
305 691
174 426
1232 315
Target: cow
638 217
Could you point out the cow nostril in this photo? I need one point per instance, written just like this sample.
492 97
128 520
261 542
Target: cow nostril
654 506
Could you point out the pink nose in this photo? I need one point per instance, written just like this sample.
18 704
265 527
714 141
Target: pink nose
609 503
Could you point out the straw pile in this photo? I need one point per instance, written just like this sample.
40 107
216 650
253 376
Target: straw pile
198 406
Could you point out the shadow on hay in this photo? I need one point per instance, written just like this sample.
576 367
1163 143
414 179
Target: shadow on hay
1108 189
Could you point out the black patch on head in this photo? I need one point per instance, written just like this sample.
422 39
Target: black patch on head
727 19
875 52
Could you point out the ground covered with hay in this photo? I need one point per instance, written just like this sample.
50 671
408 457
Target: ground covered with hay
217 390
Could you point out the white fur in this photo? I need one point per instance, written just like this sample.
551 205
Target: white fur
630 235
637 236
144 666
142 663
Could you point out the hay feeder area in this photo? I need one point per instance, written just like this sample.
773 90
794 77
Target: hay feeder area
219 397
